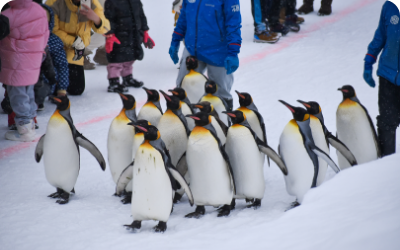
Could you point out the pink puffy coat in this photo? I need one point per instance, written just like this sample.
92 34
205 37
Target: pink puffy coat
21 52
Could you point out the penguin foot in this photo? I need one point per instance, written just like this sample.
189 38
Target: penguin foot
127 198
199 212
64 198
233 205
256 204
135 225
56 194
177 197
161 227
249 200
293 205
225 211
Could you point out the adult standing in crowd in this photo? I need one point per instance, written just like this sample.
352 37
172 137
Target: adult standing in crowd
261 32
387 40
73 24
308 7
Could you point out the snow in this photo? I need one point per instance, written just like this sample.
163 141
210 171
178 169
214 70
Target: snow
355 209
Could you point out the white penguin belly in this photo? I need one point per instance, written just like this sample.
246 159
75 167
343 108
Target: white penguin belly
150 113
137 141
298 162
219 131
247 163
252 119
354 130
218 106
61 155
187 111
320 142
174 135
120 144
152 191
193 83
210 180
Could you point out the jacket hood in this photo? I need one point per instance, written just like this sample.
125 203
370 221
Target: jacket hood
20 4
51 13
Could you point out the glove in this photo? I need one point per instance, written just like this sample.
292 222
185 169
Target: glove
231 64
147 41
111 39
369 61
79 47
173 52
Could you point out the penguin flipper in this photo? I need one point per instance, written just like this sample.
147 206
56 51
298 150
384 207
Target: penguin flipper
181 166
341 147
179 178
89 146
39 149
274 156
124 178
222 125
326 158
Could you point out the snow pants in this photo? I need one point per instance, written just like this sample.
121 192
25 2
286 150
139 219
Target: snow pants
76 79
389 115
217 74
258 17
115 70
22 100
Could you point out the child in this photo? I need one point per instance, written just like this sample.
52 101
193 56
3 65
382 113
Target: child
21 64
123 46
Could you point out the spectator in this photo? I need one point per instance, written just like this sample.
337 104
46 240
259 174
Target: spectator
261 32
4 29
386 38
307 7
28 29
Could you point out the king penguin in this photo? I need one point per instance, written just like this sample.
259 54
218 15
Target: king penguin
154 181
218 102
355 128
246 154
60 146
211 176
151 110
300 154
193 82
219 126
185 105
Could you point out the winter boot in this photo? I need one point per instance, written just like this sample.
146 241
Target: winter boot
101 57
11 121
24 132
6 105
129 81
87 64
266 37
115 86
282 15
387 141
306 8
279 28
326 8
291 22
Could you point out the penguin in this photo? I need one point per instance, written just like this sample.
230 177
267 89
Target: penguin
193 82
219 126
246 154
300 154
60 146
154 181
315 111
211 177
254 118
355 129
151 110
218 102
185 105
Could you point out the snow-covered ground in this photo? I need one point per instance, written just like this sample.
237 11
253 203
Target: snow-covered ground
356 209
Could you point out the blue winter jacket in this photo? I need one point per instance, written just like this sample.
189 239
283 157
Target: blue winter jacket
211 29
387 37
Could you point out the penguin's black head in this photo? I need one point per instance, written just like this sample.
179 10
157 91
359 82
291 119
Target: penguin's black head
178 92
173 102
299 114
313 108
152 95
150 132
210 87
139 123
128 101
200 118
236 116
244 99
204 107
348 91
191 63
62 102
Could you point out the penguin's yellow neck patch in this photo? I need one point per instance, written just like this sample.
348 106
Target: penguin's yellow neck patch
306 117
236 126
314 118
293 123
169 113
146 145
244 109
192 73
347 103
57 116
149 105
209 98
122 116
199 130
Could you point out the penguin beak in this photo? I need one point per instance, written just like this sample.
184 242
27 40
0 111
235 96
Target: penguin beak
193 117
173 92
56 99
208 86
240 95
231 114
343 90
140 128
290 107
304 103
123 97
165 96
147 91
197 106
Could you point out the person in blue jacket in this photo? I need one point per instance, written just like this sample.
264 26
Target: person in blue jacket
211 30
387 40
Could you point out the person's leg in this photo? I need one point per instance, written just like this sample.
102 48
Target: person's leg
273 18
76 79
326 8
183 70
126 73
389 116
114 72
291 19
224 82
307 7
259 25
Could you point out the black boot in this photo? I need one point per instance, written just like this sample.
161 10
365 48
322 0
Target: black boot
115 86
307 7
129 81
326 8
387 141
291 22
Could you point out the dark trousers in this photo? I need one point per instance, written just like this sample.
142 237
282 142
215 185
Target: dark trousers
76 79
273 12
389 115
